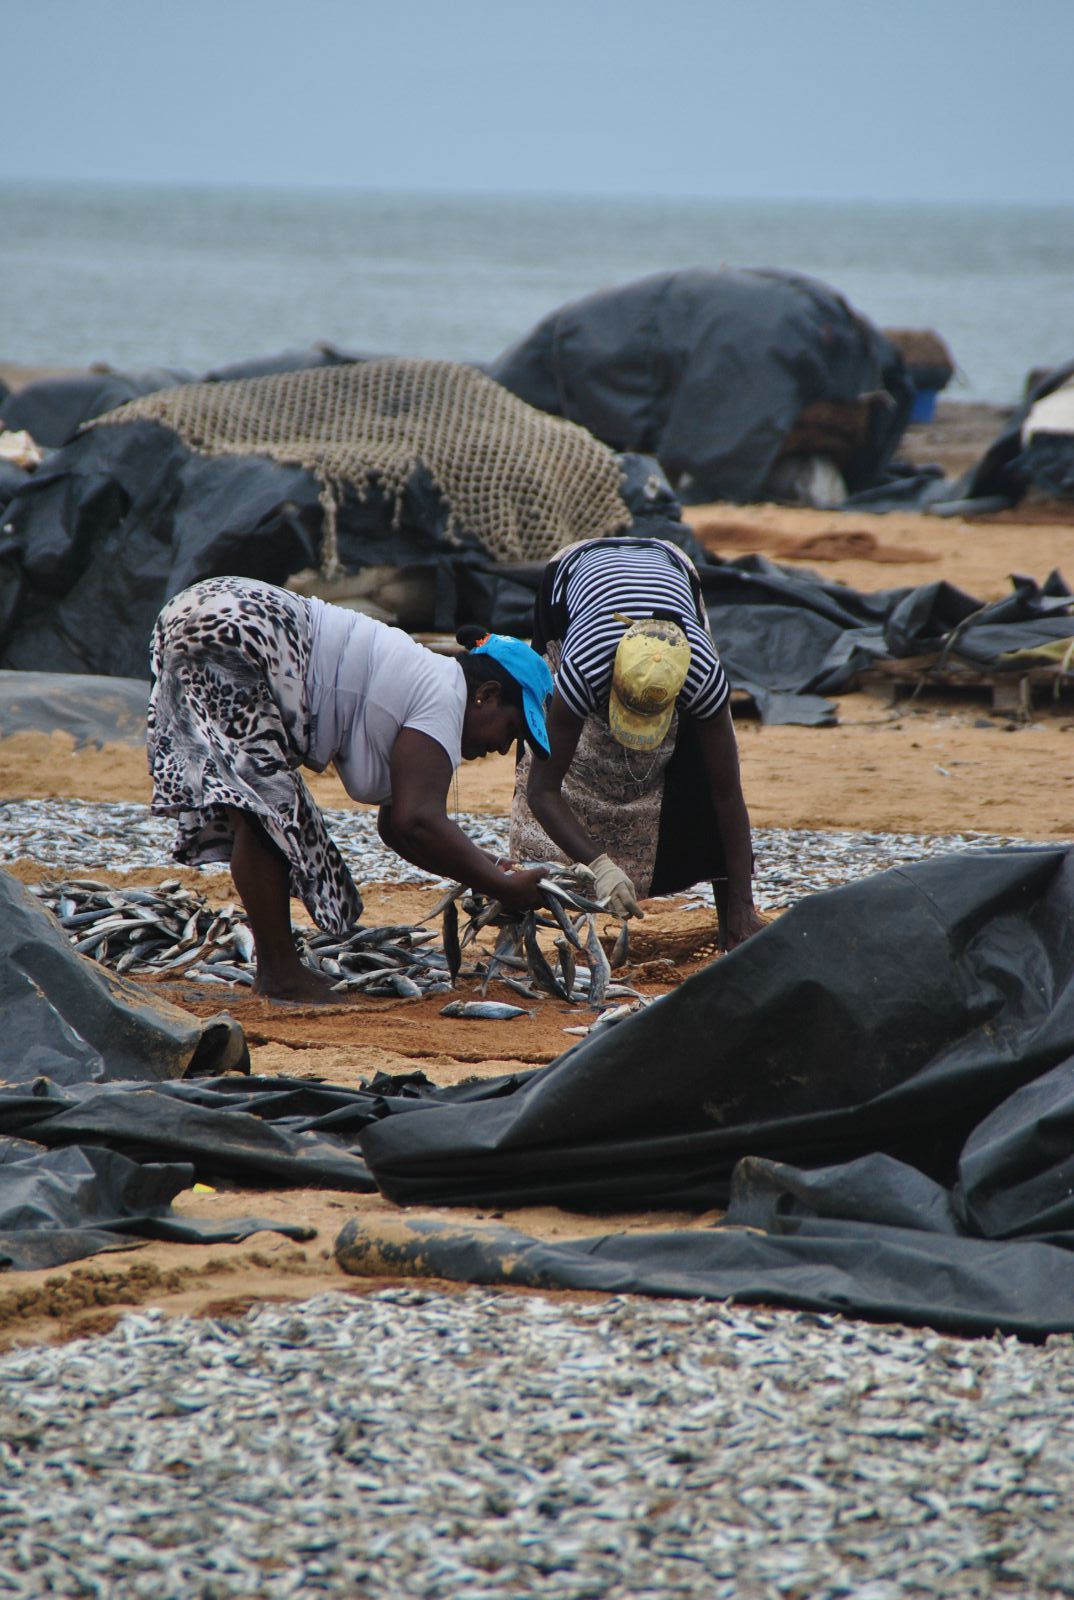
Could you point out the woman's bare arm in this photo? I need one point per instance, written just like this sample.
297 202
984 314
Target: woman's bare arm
416 825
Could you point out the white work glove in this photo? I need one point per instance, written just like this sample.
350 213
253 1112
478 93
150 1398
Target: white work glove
614 888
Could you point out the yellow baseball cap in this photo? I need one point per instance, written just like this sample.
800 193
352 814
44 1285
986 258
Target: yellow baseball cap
651 664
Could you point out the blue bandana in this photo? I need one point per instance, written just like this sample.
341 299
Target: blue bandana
532 676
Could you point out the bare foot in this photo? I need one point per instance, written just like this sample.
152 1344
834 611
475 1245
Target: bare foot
301 986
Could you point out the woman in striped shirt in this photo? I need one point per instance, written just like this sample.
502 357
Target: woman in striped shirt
643 779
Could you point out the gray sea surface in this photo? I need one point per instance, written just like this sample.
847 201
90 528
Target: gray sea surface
197 277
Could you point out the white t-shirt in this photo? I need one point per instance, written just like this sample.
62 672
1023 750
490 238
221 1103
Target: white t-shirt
366 681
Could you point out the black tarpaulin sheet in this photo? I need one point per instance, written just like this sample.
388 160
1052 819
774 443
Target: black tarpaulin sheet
710 370
249 1129
69 1019
61 1205
51 410
889 1016
881 1085
790 638
218 1142
93 710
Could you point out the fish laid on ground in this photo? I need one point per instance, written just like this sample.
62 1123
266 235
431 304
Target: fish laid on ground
484 1010
172 930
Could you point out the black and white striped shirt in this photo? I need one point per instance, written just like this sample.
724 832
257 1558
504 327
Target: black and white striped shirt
636 580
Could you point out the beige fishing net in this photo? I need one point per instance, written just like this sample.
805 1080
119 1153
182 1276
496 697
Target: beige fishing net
523 483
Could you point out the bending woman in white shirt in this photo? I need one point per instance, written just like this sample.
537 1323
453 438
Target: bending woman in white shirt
250 682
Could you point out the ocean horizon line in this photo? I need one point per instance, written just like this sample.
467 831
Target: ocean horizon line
520 196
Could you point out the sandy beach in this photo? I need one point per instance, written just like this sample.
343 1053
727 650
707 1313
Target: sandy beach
930 762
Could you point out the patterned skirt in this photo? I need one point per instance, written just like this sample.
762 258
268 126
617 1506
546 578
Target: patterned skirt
228 727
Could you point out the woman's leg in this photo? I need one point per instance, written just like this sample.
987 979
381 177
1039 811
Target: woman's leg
262 881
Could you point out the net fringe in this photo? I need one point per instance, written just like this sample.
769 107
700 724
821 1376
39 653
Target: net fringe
524 484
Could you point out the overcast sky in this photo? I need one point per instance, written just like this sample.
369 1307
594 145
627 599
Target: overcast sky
820 99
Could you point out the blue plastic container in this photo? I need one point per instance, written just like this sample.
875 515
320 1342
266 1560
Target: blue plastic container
924 405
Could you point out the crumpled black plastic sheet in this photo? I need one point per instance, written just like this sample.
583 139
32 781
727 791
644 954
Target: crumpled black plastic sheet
71 1029
900 1053
70 1019
250 1129
94 1166
61 1205
879 1086
791 638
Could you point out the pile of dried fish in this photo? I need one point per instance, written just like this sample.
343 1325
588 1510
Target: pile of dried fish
120 836
791 862
171 929
162 929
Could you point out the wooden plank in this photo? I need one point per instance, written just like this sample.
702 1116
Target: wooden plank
1012 692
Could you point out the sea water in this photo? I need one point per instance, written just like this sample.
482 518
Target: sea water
195 278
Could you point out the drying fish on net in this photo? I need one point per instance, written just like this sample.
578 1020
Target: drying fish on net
580 972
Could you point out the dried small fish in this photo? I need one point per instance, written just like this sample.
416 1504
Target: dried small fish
621 947
449 897
520 986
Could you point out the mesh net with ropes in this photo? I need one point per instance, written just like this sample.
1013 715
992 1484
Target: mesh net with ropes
522 483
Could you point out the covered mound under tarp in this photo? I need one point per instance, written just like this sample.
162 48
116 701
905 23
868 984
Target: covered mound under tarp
70 1020
722 375
52 409
881 1084
93 710
380 463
